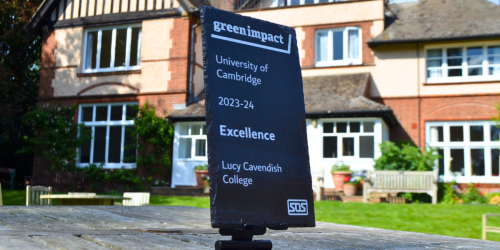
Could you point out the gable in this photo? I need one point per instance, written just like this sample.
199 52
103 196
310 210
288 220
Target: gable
88 13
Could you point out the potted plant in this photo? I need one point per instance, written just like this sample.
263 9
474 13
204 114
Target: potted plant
339 173
199 171
351 185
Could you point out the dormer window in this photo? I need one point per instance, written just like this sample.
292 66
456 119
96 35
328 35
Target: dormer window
339 46
112 49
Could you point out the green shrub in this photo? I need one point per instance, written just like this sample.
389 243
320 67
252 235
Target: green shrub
340 168
473 196
406 157
450 195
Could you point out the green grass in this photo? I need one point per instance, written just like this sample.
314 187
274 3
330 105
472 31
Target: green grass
452 220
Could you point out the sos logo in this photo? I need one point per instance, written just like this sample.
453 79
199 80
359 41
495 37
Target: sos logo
297 207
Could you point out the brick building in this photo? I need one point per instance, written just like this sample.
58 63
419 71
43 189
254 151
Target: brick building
373 70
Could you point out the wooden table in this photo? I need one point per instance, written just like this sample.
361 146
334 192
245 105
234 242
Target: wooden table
83 199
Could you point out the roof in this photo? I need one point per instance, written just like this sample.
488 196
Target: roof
324 96
435 20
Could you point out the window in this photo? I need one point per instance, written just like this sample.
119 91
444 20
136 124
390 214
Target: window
470 150
461 64
112 49
336 47
192 141
109 125
348 139
280 3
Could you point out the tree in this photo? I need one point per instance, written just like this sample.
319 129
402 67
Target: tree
19 78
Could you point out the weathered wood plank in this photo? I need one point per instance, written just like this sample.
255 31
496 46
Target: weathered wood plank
67 242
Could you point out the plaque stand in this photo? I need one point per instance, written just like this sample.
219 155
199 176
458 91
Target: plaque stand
241 238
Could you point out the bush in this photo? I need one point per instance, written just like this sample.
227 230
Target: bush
406 157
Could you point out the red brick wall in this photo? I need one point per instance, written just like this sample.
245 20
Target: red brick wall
47 71
178 64
308 43
412 113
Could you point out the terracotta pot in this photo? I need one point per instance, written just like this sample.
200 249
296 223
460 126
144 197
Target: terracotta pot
338 179
199 173
350 189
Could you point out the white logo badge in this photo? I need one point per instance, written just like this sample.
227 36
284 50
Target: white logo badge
297 207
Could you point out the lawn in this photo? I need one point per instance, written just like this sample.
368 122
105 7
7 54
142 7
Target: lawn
451 220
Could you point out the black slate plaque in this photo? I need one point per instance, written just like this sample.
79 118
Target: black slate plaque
257 142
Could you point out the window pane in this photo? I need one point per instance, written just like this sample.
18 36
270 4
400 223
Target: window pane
322 46
454 72
195 129
368 127
308 1
366 146
495 164
475 71
120 47
91 50
475 56
436 134
338 45
184 129
134 47
494 59
106 48
328 127
348 146
116 113
114 144
341 127
495 133
494 70
494 50
455 62
130 152
353 39
204 130
99 144
456 133
457 161
131 112
454 52
434 63
87 114
185 148
441 161
476 133
477 158
354 127
85 149
200 147
435 73
293 2
330 147
101 113
434 53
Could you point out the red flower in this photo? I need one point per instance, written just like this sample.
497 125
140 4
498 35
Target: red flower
476 185
347 179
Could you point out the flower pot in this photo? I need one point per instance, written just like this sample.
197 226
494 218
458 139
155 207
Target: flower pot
338 179
350 189
199 180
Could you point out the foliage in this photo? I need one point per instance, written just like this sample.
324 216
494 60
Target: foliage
494 198
340 168
95 175
20 53
406 157
473 196
355 180
201 167
450 195
55 135
155 136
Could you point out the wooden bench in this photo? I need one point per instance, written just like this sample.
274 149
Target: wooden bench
56 179
383 181
12 174
487 229
318 183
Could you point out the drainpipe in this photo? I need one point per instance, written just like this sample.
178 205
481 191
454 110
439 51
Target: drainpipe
191 98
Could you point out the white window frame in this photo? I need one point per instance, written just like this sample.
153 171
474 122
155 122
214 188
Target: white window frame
345 61
377 134
302 2
467 145
193 141
124 123
465 72
113 44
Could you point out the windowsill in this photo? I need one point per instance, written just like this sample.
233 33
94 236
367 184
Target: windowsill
460 80
341 66
112 73
112 165
192 160
337 63
291 6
